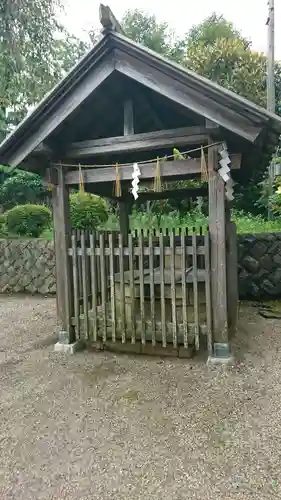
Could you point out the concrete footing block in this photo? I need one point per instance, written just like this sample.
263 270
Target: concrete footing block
69 348
214 361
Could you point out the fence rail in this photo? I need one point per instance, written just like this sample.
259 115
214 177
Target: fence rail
148 288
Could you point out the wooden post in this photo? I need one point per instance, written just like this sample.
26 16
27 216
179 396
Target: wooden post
218 256
232 274
125 206
62 232
129 128
124 212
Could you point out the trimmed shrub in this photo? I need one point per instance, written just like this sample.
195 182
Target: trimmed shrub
3 228
28 220
87 211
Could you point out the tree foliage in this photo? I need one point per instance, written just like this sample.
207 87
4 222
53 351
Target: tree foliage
144 29
35 52
228 62
213 28
20 188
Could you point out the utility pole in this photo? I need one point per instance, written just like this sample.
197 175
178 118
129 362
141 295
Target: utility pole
270 86
270 58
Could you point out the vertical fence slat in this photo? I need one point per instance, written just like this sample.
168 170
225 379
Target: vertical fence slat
94 287
152 289
75 285
208 293
173 289
103 286
122 289
84 285
184 288
132 288
112 286
141 280
162 290
195 289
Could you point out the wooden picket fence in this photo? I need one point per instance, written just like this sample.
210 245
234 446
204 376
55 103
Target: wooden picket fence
153 288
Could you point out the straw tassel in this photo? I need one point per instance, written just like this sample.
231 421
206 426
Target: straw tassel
204 171
118 190
157 180
81 181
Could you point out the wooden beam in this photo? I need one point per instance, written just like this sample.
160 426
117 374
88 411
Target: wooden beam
169 169
108 20
128 118
138 142
187 96
170 194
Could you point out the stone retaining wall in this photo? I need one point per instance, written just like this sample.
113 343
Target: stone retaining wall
259 265
29 266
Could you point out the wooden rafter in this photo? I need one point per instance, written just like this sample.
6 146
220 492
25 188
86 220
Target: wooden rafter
138 142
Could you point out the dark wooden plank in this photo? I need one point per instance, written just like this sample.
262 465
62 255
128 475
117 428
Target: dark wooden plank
112 288
162 291
173 290
103 285
122 289
62 236
195 289
131 142
94 284
132 286
184 287
152 287
128 118
75 285
141 279
175 88
84 285
208 294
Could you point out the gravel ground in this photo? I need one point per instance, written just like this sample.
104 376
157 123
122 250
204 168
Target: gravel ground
102 426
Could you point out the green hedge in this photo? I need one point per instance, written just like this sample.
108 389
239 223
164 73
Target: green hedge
28 220
87 211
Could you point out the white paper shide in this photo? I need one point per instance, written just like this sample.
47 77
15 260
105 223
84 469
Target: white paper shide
135 182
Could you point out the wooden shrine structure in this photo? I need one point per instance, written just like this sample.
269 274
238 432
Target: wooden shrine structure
123 103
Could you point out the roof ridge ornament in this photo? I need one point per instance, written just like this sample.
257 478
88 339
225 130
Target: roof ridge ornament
108 20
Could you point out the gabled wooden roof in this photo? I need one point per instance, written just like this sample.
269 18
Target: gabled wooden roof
116 53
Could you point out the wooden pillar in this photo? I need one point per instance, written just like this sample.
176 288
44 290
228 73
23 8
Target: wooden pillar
124 212
62 234
218 255
125 207
231 273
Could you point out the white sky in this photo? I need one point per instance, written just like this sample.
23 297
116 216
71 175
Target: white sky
249 16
